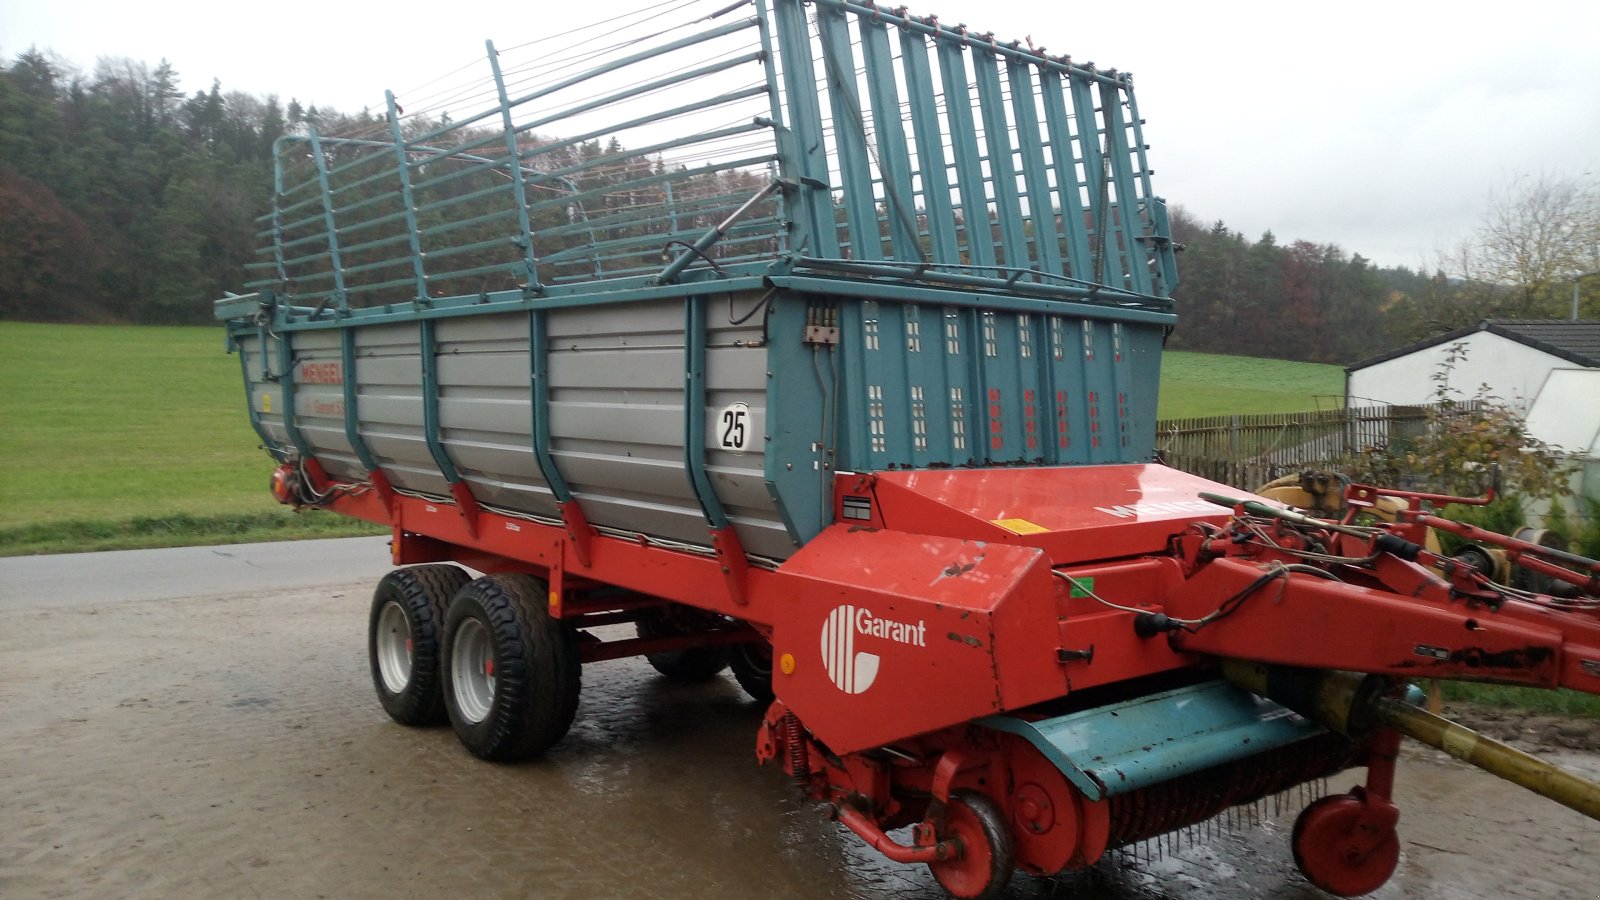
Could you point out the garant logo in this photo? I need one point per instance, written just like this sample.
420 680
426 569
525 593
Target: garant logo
853 672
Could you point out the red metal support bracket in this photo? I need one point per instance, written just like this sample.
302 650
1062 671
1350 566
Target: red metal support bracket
384 490
315 473
467 505
944 774
875 837
735 567
578 530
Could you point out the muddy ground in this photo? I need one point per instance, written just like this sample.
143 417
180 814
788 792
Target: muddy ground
230 746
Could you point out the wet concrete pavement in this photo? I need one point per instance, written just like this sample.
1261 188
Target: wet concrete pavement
229 745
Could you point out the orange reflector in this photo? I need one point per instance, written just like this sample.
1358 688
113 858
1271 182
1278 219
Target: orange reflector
283 484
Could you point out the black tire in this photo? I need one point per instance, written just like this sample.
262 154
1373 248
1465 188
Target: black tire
752 668
404 629
690 665
511 672
988 857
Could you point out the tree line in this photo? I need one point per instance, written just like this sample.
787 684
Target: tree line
126 201
1315 303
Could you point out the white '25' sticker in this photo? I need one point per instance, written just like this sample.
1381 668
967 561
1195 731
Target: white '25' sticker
733 427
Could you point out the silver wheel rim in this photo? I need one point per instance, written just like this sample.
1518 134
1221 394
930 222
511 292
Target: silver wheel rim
394 648
472 670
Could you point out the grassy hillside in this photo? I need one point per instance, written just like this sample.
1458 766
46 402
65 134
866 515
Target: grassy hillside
115 436
1205 384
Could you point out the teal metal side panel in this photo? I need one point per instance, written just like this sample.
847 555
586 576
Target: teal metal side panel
801 381
1111 750
928 385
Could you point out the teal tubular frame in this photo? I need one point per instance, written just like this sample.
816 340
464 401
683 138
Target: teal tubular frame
850 135
1002 168
234 343
286 384
335 262
974 217
815 229
933 168
893 152
430 403
539 381
403 169
1003 208
352 400
696 334
963 133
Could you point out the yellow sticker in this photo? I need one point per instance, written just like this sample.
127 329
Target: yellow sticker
266 402
1020 526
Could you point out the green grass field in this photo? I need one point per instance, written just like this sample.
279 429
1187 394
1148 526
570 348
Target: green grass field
1205 384
115 436
119 436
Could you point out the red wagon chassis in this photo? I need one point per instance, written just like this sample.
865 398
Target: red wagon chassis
1008 595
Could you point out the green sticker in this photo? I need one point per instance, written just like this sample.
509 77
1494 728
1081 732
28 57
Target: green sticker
1082 587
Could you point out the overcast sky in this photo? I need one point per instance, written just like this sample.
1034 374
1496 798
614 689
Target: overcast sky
1379 126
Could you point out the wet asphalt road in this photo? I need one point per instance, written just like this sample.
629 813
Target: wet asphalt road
200 723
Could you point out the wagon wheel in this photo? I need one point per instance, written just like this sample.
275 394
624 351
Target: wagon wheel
752 668
403 632
691 664
987 855
511 672
1335 856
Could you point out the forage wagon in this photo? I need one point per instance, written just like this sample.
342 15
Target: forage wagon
821 340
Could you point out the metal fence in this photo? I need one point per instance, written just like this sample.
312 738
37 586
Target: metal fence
1248 451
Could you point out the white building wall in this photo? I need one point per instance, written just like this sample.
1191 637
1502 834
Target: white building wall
1514 372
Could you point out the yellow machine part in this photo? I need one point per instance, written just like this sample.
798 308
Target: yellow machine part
1321 494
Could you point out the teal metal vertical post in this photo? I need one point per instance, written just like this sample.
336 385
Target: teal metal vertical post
978 403
1046 240
894 161
694 410
539 377
352 413
964 143
286 384
769 63
519 189
769 68
1160 242
341 299
277 211
1104 267
1002 167
931 164
430 402
1050 416
849 134
805 156
1064 156
403 169
1127 221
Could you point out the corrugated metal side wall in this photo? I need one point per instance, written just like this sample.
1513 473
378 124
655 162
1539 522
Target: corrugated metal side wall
906 385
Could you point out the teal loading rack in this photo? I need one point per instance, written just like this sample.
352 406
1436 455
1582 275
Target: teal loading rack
933 248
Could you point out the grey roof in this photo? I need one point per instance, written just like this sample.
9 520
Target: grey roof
1575 342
